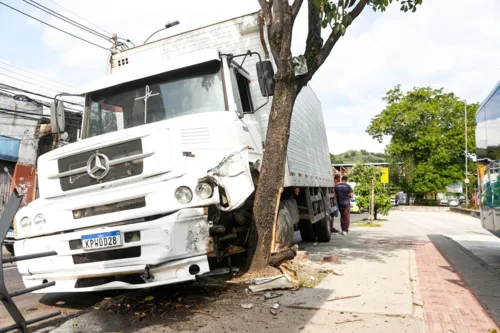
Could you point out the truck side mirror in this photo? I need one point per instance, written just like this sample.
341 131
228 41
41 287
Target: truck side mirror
265 74
57 118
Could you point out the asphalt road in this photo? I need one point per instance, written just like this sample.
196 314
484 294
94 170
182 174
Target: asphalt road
34 305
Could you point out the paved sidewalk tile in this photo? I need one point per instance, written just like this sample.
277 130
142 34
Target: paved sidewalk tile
449 304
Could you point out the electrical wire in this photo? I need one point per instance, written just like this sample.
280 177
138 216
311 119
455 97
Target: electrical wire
37 94
28 82
47 24
66 9
37 101
65 19
25 70
11 71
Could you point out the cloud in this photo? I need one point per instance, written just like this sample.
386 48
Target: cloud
446 43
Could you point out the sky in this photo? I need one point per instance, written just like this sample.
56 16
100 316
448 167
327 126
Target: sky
446 43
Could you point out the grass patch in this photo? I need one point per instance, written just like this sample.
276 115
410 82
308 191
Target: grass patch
368 225
378 220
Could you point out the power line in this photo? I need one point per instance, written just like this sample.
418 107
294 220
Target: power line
66 9
47 24
11 71
11 94
25 70
34 84
66 19
37 94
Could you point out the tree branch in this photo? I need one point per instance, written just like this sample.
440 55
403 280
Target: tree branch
266 8
314 42
314 63
297 4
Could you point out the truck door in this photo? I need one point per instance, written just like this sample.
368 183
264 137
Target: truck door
251 135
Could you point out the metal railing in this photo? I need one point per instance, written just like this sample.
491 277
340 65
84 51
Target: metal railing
21 324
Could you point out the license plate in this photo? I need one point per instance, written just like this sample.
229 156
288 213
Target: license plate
102 240
10 234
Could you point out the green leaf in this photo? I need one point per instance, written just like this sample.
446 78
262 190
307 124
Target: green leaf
149 298
341 3
336 30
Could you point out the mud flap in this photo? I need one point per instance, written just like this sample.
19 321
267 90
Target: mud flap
233 175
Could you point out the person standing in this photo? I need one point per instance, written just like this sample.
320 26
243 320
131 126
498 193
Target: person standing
344 194
336 180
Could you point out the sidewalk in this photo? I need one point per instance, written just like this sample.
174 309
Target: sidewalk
392 278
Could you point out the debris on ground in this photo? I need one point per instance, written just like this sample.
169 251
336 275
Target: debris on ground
270 283
342 297
332 259
274 312
247 305
275 306
270 295
348 321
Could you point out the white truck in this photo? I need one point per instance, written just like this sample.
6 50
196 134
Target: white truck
159 189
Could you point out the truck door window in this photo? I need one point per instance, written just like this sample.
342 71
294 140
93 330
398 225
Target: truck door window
245 95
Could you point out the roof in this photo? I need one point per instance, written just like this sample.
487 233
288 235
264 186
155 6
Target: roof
137 73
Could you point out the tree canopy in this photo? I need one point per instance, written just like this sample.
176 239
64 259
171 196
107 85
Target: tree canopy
427 136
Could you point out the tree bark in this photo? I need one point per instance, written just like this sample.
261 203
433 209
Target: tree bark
272 170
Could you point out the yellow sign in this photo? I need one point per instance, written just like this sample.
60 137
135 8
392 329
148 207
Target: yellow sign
385 176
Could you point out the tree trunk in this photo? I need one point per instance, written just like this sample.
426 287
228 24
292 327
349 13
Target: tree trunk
272 170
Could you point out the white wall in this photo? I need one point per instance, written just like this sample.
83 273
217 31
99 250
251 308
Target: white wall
21 128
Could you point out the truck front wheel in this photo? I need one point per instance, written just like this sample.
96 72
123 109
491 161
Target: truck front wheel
306 231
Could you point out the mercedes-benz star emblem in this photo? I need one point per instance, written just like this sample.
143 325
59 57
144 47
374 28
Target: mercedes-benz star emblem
98 166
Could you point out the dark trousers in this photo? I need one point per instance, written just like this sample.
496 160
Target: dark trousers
345 217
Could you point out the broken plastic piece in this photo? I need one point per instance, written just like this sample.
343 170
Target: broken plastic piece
270 283
247 305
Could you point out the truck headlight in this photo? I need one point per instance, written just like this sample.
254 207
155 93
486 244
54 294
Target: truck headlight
184 195
204 190
39 219
25 222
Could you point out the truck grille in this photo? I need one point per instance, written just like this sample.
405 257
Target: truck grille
117 169
109 208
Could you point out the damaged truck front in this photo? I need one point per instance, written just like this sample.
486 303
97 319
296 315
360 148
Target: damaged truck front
160 187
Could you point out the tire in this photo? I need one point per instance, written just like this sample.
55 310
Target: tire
322 230
306 231
10 248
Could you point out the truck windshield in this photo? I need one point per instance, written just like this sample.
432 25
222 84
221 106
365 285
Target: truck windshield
154 99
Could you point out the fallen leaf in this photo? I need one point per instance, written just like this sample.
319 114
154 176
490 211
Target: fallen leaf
96 308
142 315
149 298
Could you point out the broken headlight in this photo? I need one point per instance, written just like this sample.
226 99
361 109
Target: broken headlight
204 191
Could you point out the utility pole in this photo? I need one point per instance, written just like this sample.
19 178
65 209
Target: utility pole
372 198
466 155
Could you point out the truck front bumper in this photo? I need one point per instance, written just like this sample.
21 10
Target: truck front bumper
165 250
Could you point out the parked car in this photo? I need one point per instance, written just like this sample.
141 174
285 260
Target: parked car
393 200
444 201
354 206
461 199
453 202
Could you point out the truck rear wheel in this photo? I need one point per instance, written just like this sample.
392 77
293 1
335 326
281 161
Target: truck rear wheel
306 231
322 230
